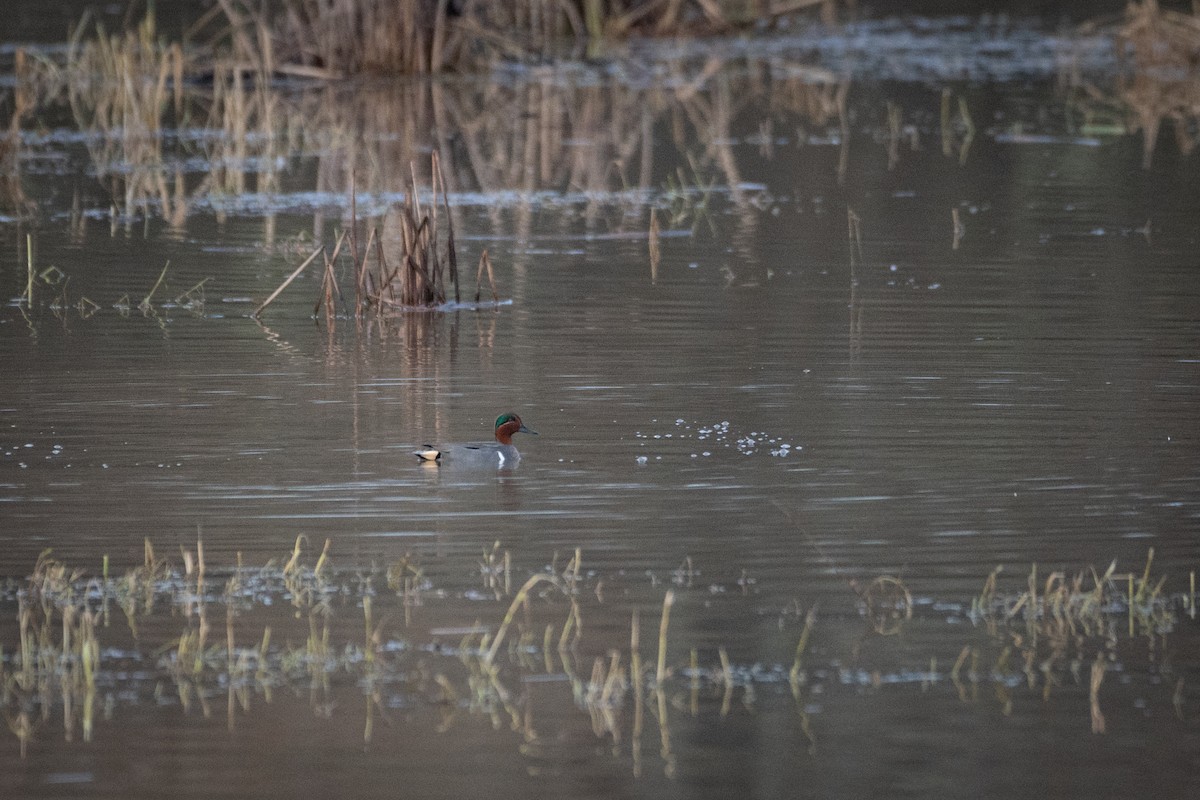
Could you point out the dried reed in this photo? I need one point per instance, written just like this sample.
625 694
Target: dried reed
129 91
1161 85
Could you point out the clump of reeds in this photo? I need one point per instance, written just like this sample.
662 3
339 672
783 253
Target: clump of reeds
1082 603
420 276
1059 622
57 655
1161 86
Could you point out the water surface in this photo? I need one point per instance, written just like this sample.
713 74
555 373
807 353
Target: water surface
788 411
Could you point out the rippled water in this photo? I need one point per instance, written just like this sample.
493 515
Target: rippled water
788 412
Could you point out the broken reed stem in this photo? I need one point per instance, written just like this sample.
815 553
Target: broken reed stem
572 629
258 311
354 243
958 664
635 636
655 252
368 647
416 201
178 300
1192 594
328 287
362 292
1097 678
522 597
1142 584
294 561
1129 602
323 559
435 266
726 667
451 256
854 235
809 619
661 672
485 263
331 286
145 304
29 263
385 282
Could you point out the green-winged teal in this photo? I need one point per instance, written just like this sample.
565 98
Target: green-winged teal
482 454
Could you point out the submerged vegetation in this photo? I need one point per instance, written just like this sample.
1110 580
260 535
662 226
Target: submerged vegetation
310 628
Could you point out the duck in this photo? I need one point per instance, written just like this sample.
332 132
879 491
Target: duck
500 453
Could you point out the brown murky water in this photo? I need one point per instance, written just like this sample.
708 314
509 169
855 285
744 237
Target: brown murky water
1004 371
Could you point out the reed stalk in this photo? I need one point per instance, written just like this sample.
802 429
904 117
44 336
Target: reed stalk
287 281
145 306
521 598
660 673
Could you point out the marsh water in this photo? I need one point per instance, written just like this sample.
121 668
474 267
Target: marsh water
903 328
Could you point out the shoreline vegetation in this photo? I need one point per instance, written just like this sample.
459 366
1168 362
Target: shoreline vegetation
250 95
334 39
134 87
198 631
233 76
230 73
